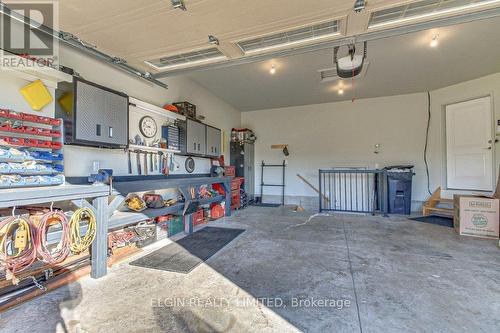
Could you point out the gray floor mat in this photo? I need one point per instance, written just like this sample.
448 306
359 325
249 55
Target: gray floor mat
187 253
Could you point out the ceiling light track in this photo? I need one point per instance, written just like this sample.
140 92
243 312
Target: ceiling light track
369 36
82 46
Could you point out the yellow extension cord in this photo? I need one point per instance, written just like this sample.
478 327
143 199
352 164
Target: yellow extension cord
78 243
5 230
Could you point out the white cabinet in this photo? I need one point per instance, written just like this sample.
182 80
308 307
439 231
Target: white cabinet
196 138
213 141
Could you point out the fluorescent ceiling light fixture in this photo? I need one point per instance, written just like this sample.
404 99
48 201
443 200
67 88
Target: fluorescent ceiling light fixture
422 9
187 59
291 37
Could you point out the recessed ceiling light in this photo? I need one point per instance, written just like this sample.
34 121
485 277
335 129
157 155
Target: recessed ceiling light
213 40
435 41
341 91
273 69
179 4
359 5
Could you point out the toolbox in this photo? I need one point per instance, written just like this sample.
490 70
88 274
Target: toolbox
229 171
187 109
198 218
175 225
162 223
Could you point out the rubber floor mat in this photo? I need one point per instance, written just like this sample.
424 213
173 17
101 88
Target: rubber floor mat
260 204
433 219
187 253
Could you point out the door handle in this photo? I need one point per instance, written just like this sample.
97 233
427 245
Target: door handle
489 148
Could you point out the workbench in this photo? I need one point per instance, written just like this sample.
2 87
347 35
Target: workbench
118 219
78 194
106 201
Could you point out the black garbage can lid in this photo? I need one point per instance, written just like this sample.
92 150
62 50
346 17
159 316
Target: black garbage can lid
399 167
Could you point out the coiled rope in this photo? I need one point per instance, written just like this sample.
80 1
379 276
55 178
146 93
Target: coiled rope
13 261
79 243
61 251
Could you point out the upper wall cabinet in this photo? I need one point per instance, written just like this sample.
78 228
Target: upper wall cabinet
213 141
93 115
201 139
196 138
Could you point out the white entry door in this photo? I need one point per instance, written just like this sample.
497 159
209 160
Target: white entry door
469 143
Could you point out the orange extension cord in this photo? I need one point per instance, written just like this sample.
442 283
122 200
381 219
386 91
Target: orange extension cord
61 251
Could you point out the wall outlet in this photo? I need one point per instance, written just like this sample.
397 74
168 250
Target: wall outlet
96 165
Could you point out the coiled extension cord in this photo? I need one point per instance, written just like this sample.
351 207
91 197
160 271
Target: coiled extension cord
79 243
61 251
12 262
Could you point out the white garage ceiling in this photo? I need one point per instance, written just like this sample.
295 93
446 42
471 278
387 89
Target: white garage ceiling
147 30
397 65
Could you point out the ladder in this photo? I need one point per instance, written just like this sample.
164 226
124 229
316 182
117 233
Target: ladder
282 185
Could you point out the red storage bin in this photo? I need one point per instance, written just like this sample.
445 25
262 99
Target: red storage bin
198 218
30 117
55 145
216 211
14 141
55 122
4 113
32 143
14 115
229 171
55 134
235 200
235 184
5 127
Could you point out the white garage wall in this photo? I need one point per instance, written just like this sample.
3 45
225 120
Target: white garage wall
344 134
79 160
339 134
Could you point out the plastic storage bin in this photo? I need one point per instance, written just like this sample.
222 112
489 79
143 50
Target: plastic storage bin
175 226
37 95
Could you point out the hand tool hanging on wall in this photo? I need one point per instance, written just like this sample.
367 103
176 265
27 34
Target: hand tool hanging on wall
160 155
129 163
138 160
164 170
171 163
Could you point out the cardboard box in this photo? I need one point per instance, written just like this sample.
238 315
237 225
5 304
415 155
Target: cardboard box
477 216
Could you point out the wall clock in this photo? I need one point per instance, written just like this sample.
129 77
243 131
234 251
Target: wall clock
148 126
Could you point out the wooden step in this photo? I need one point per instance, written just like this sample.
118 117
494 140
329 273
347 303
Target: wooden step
443 200
449 211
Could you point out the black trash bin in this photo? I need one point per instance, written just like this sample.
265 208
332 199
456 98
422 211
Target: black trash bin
399 188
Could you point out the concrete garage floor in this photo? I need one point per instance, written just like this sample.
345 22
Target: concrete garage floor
398 275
